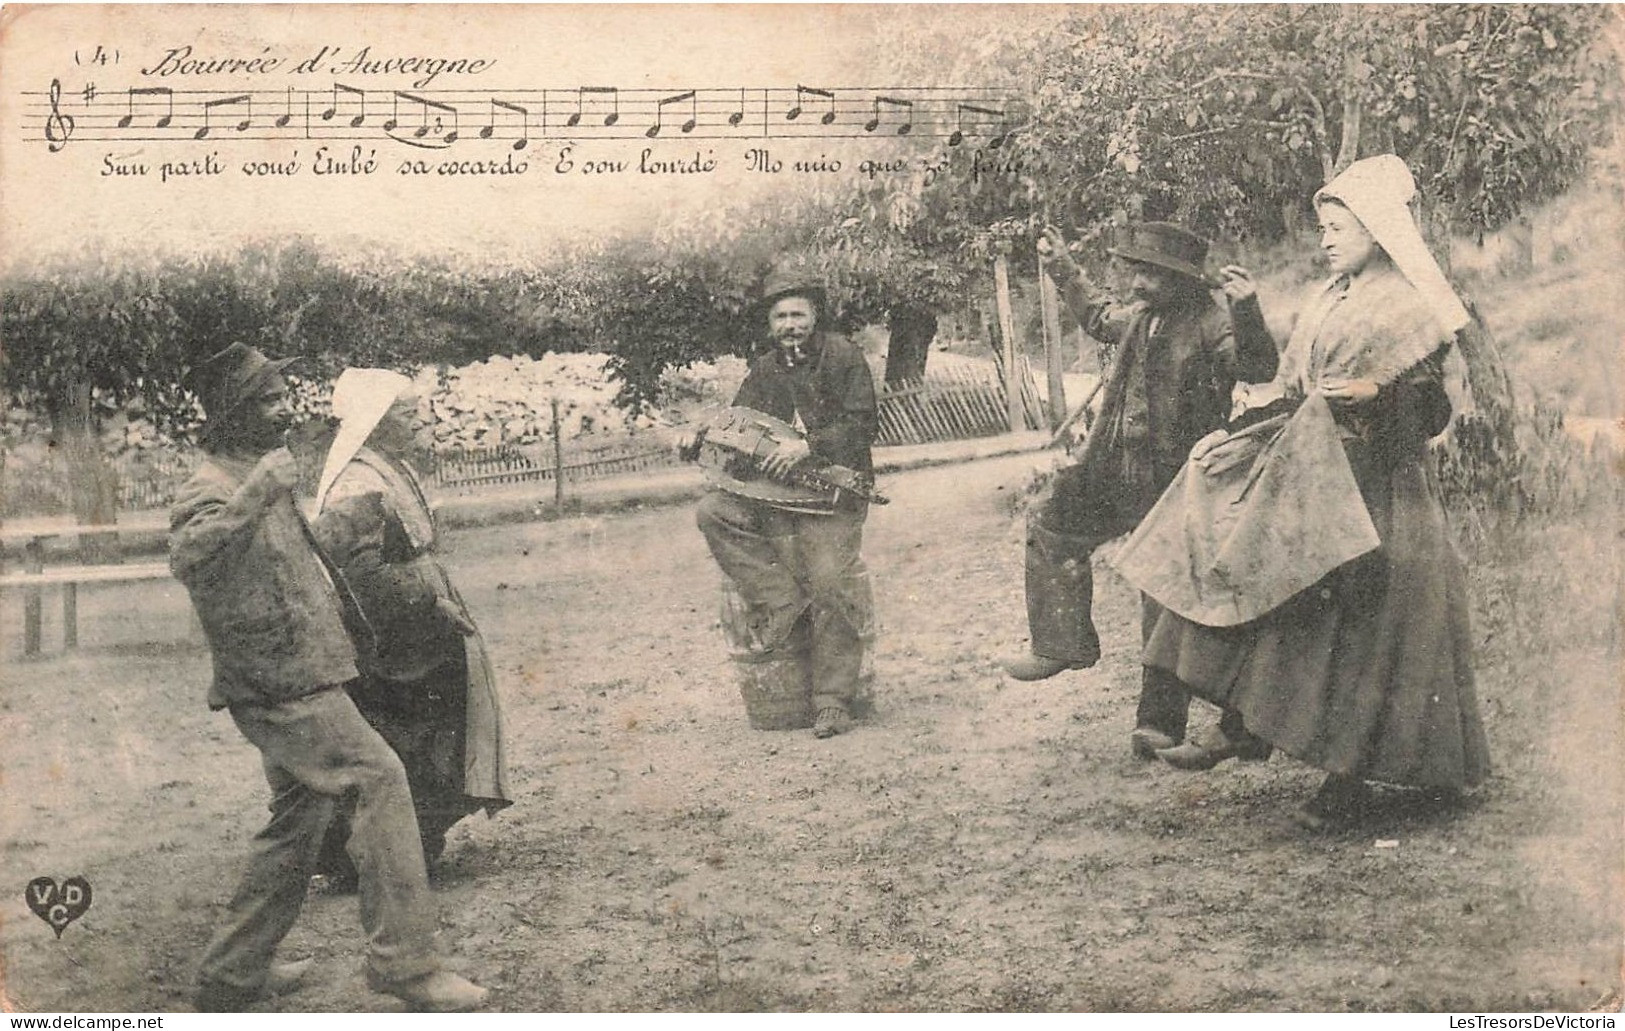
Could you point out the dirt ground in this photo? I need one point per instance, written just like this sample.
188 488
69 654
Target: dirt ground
979 844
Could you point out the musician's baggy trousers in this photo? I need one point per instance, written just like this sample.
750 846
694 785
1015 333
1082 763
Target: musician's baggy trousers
784 564
1063 531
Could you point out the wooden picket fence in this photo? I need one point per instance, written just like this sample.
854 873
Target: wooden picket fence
509 464
954 402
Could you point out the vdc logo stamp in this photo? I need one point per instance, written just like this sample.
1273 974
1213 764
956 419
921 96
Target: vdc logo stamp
58 906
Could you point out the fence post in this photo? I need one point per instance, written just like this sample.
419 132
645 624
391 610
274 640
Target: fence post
1007 328
558 460
70 615
33 562
1049 303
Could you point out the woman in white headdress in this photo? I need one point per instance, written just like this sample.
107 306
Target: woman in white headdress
1338 628
427 684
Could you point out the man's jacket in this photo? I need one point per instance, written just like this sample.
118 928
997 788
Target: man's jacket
269 604
831 390
1169 384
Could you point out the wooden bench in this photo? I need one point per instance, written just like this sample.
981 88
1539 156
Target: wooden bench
35 577
69 578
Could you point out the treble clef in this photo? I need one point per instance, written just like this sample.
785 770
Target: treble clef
58 126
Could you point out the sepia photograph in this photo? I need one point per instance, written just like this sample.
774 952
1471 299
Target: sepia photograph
812 508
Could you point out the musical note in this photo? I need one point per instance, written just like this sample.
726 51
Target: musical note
58 126
795 112
738 116
283 119
612 92
149 91
524 114
361 115
660 113
210 105
424 128
906 106
957 137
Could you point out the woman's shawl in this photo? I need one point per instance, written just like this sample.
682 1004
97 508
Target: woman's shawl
1372 327
369 472
1275 507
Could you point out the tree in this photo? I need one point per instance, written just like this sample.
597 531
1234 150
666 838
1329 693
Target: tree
71 332
910 330
1228 117
672 296
87 335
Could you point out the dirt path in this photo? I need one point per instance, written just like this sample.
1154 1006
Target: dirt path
979 844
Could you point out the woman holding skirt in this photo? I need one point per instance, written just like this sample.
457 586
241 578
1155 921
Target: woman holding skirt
1303 556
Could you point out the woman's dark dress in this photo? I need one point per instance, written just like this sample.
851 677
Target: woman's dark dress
1368 672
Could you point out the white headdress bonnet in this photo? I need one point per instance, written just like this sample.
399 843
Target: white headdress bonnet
360 399
1378 190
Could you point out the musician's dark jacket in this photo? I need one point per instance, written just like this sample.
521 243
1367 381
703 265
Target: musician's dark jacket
829 387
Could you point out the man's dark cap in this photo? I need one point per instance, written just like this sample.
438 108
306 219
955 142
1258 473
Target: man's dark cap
790 281
226 379
1164 245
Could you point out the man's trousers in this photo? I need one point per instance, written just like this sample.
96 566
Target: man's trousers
1079 515
785 564
317 749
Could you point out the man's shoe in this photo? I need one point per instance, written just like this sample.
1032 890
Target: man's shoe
439 992
1208 753
280 980
287 977
831 721
1033 666
1146 742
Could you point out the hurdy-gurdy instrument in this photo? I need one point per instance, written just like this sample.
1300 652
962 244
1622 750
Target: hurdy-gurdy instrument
731 445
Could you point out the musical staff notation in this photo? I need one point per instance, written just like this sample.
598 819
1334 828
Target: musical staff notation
602 96
490 129
904 109
350 95
164 93
828 117
436 119
689 126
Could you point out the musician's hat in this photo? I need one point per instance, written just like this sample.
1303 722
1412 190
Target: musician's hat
227 378
1164 245
794 280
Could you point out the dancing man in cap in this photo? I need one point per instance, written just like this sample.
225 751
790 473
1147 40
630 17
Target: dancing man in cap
795 566
1178 358
275 615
